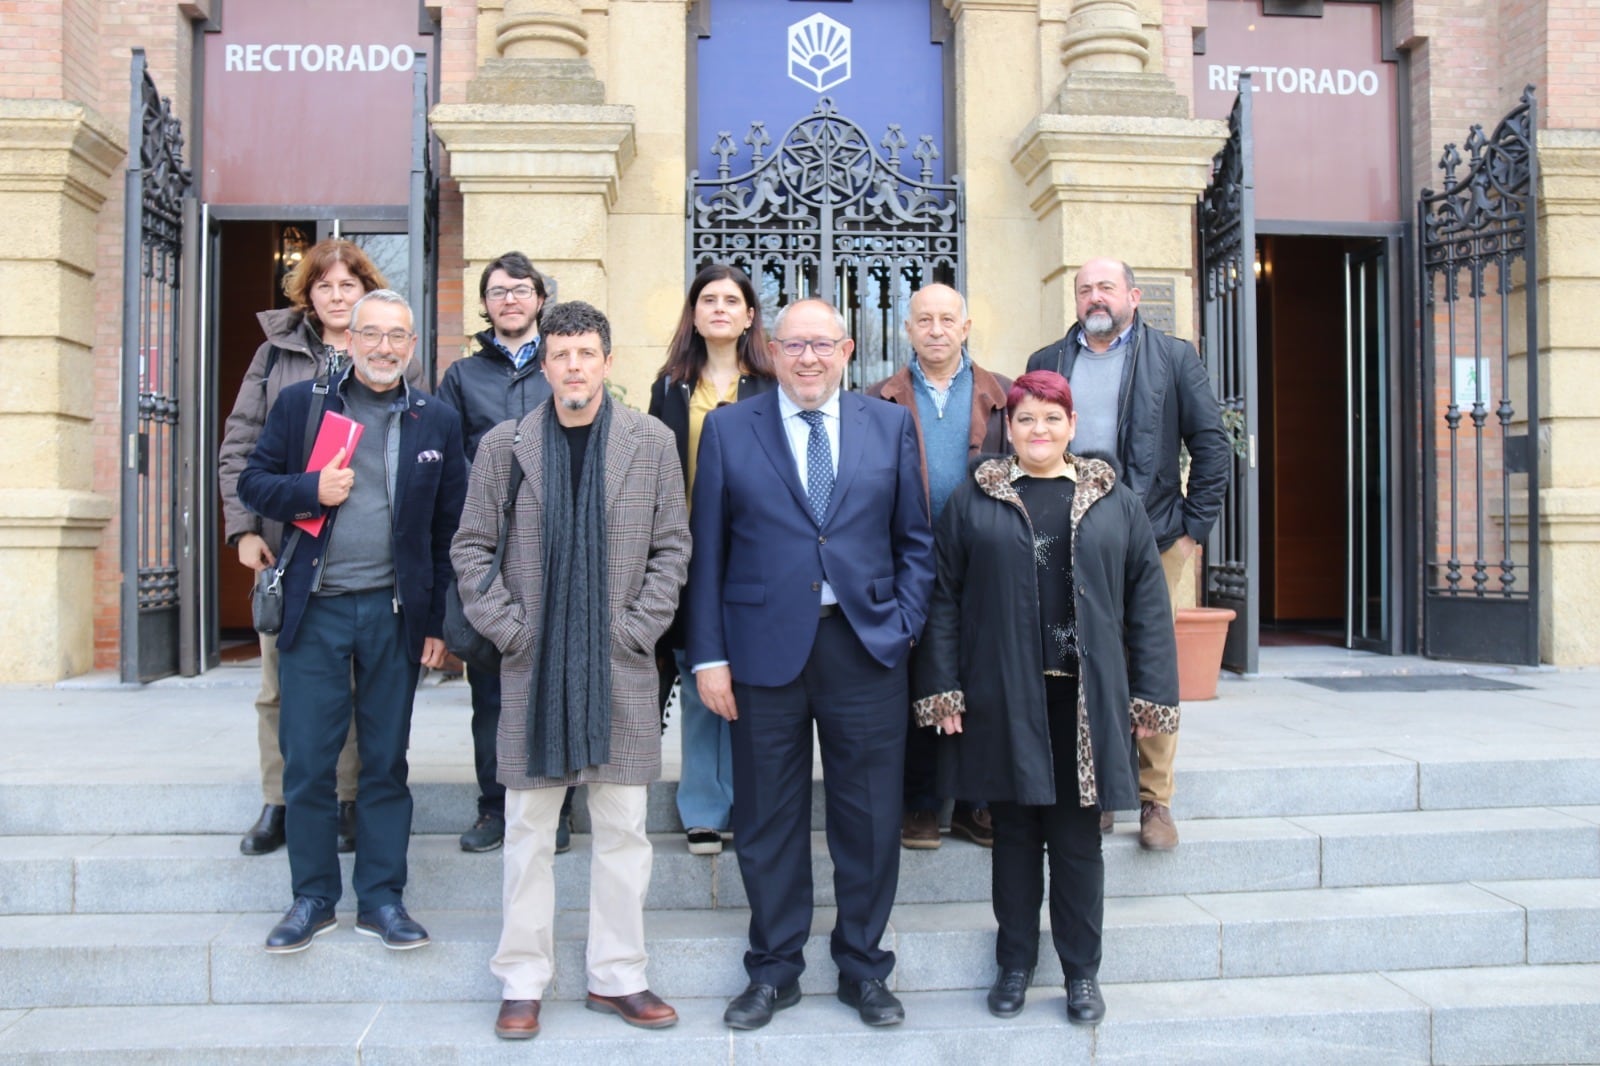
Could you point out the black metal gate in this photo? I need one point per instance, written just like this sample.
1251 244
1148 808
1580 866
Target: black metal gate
1228 345
153 538
826 215
1480 354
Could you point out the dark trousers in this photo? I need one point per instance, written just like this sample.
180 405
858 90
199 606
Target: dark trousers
359 635
859 709
1070 836
485 687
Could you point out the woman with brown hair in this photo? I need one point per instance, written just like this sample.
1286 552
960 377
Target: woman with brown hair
305 341
718 355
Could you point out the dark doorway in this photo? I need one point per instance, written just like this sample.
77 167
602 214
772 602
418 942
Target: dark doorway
1325 322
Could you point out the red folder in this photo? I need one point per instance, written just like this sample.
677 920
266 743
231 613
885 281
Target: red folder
336 432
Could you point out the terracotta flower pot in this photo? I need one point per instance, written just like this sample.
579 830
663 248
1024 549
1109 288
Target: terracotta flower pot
1202 632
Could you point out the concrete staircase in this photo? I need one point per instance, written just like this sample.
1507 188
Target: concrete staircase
1334 904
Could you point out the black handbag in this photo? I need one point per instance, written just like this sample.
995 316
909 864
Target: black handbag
460 637
266 598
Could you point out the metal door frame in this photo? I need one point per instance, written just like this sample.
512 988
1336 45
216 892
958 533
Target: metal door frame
1480 225
1227 237
158 451
826 210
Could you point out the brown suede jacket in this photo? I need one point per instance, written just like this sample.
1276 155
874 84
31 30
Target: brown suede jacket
988 435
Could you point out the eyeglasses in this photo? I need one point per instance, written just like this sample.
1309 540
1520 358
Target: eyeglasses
795 348
499 292
371 337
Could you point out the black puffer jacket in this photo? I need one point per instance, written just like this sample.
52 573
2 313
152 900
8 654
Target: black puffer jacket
487 389
1165 400
981 656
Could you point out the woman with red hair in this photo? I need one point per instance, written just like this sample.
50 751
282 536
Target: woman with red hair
1048 649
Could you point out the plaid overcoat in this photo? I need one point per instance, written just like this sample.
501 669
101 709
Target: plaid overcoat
647 544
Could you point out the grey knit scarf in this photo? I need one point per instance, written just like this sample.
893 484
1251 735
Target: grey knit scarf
569 702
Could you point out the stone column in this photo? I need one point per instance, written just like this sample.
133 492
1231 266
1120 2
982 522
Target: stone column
1113 167
536 151
1569 319
56 160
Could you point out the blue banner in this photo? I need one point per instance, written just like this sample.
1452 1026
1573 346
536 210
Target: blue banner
772 60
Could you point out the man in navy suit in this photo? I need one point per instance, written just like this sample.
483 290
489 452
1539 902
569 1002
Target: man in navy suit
808 586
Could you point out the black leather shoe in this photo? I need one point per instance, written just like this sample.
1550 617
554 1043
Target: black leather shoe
392 925
1009 992
306 918
755 1006
486 834
266 836
1085 1006
872 1000
347 826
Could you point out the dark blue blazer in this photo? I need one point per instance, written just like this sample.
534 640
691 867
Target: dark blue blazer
430 483
760 557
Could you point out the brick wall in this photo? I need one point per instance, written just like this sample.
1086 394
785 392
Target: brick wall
458 309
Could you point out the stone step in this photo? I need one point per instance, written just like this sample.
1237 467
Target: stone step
1527 1014
150 959
1228 782
199 874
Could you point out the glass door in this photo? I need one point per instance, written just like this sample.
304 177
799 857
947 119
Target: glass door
1367 427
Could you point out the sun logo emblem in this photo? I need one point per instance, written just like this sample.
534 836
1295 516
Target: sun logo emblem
819 53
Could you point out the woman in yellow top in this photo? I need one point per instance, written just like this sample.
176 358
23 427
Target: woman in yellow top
718 355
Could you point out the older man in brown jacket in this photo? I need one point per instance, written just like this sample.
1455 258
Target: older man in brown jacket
598 548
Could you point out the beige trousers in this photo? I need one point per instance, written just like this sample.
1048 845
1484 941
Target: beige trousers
268 706
1158 753
619 878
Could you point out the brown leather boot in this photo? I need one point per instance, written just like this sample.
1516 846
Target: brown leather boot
1156 831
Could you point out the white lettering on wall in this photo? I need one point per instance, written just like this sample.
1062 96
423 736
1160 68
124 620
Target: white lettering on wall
283 57
1306 81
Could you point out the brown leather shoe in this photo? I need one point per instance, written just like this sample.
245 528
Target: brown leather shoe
919 830
1156 831
1108 821
644 1009
518 1020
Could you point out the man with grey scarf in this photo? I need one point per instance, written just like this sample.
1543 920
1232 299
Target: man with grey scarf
597 549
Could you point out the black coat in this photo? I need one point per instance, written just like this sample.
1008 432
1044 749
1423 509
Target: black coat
669 401
1165 400
981 651
487 389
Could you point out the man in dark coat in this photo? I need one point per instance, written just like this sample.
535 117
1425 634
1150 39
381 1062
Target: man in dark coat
364 594
942 380
501 383
1139 394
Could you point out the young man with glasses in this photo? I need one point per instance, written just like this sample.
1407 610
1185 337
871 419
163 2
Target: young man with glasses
500 382
362 597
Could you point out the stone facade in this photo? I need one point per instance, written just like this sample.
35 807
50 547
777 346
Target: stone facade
563 124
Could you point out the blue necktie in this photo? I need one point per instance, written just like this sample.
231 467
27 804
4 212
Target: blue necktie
819 466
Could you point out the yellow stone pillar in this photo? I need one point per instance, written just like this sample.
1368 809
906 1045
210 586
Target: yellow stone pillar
1569 366
56 159
536 151
1113 167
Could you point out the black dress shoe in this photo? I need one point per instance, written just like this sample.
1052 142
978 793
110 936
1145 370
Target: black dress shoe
486 834
1009 992
1085 1006
266 836
872 1000
755 1006
306 918
392 925
347 826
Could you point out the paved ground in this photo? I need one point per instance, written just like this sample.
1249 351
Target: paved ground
92 729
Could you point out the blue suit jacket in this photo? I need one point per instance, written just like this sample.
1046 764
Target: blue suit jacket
760 557
430 483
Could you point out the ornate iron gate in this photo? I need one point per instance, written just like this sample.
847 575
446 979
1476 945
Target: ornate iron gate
1479 276
1228 346
826 215
152 532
